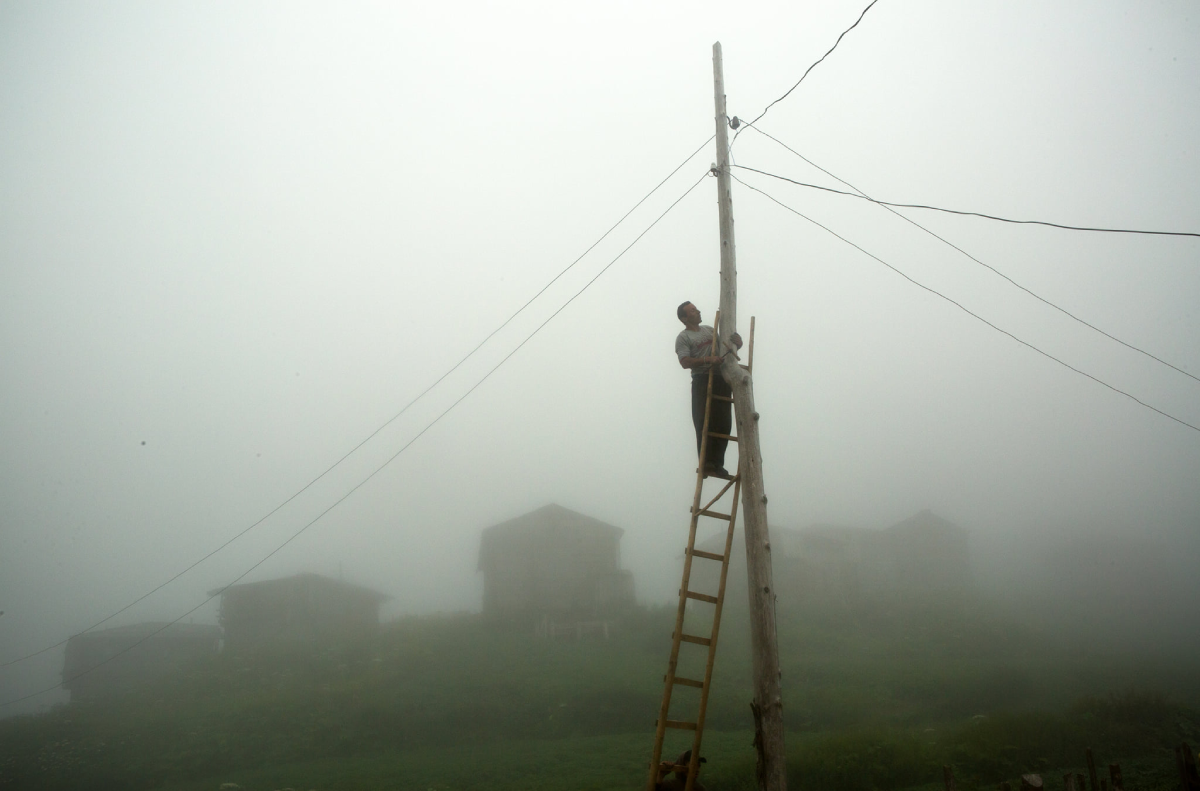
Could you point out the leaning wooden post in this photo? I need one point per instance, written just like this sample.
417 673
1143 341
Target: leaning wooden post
768 696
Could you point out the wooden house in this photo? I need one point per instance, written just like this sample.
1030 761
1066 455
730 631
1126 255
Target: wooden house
302 608
116 660
553 563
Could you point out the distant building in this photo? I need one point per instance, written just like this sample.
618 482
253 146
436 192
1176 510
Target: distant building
553 563
303 608
115 660
923 556
1108 591
927 555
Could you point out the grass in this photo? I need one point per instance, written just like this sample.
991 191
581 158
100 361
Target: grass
877 698
982 753
597 763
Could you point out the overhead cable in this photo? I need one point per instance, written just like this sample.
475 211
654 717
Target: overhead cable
963 213
964 309
885 205
386 423
381 467
809 69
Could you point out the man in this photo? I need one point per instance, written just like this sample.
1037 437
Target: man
693 346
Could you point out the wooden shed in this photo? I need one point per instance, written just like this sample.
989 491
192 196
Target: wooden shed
553 562
304 607
115 660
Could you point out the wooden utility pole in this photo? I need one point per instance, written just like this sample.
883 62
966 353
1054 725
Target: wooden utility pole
768 700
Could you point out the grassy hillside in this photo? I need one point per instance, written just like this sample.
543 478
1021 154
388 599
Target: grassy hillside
877 697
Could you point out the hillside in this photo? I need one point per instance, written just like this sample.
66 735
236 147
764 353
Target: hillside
877 697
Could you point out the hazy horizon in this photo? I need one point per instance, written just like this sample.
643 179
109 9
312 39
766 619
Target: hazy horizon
237 239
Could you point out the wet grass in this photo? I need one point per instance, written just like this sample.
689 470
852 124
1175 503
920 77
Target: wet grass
876 698
982 753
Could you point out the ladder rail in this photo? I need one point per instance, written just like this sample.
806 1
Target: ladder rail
677 636
750 350
694 763
694 768
681 611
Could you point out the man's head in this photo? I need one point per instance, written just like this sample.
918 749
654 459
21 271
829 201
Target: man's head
688 313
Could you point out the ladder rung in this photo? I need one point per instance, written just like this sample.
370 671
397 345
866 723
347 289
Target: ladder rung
689 682
744 367
691 638
714 515
681 725
722 436
699 553
723 398
702 597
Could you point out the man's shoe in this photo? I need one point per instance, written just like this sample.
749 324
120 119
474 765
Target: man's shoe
716 472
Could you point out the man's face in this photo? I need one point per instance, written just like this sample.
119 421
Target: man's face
691 313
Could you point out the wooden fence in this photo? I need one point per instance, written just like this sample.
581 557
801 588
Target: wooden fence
1185 761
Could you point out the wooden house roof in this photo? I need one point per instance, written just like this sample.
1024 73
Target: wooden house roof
302 579
545 524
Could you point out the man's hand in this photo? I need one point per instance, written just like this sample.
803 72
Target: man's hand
737 340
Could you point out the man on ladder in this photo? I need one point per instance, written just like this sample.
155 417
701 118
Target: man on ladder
693 346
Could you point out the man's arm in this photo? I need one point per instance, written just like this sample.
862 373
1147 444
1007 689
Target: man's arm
692 362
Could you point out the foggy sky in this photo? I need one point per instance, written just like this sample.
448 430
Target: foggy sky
235 239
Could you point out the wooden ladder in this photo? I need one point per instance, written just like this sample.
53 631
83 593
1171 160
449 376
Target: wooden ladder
658 768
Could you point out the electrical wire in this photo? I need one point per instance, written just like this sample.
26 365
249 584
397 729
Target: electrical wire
809 69
964 309
1028 291
374 433
957 211
381 467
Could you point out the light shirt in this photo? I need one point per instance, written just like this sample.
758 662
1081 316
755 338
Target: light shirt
697 343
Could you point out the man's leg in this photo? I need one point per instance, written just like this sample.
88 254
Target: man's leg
720 421
699 397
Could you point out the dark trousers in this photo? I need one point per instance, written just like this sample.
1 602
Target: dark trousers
720 420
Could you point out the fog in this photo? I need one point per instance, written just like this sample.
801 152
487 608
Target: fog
237 239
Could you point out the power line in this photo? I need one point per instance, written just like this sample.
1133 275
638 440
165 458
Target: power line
809 69
964 309
862 196
888 206
387 423
381 467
